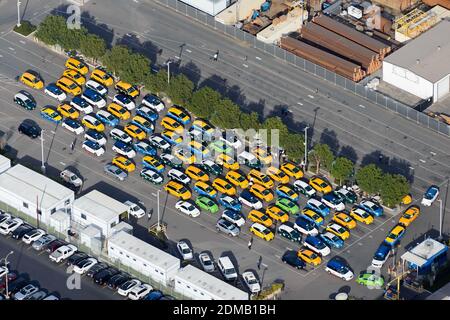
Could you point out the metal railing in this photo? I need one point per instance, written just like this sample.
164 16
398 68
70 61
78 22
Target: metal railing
358 89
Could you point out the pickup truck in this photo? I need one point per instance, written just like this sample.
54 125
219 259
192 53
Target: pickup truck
62 253
134 209
70 177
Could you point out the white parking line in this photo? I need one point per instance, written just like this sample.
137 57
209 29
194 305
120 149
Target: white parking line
258 58
22 42
361 106
11 48
300 103
287 248
245 65
311 96
53 132
421 160
433 153
62 163
187 50
360 244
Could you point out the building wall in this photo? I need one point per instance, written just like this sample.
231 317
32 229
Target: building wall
407 80
211 7
441 88
189 290
92 219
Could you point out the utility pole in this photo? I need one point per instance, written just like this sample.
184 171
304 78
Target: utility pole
168 71
42 152
306 147
158 226
7 272
440 219
18 13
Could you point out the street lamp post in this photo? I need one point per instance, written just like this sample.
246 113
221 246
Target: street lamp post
306 147
440 219
42 152
18 13
168 71
265 267
7 272
158 226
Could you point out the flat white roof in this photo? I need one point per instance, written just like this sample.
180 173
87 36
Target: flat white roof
31 186
412 258
100 205
211 284
143 250
4 162
428 248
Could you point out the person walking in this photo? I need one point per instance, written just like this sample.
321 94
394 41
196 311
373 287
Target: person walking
250 242
259 262
216 55
149 214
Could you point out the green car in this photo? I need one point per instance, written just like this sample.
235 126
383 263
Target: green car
370 280
348 196
207 204
220 147
288 206
211 167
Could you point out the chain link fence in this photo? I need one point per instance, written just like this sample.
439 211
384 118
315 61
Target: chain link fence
358 89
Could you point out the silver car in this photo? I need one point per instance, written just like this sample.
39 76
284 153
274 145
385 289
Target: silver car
40 244
227 227
206 261
25 292
115 171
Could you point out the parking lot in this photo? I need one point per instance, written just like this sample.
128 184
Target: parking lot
312 283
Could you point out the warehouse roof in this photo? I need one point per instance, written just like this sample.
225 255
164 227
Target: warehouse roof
100 205
143 250
426 55
211 284
30 186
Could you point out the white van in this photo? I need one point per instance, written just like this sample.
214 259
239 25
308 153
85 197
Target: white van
227 269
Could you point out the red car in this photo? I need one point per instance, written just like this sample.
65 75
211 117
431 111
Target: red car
55 244
11 277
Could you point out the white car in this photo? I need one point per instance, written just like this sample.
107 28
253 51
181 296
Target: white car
4 216
134 209
179 176
304 187
251 281
94 99
206 261
124 101
57 94
10 225
123 149
93 147
153 102
125 288
233 217
339 270
72 126
121 135
187 208
95 136
94 85
81 105
159 142
312 231
257 204
71 178
231 139
140 291
84 265
33 235
25 292
317 245
63 253
337 205
430 196
184 250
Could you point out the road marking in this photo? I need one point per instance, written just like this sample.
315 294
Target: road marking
370 236
187 50
360 244
288 248
11 48
300 103
53 132
177 57
382 229
1 56
22 42
421 160
258 58
245 65
433 153
277 256
348 251
35 13
62 163
311 96
361 106
411 168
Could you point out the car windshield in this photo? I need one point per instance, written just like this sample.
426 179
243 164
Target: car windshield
252 281
207 262
186 250
431 193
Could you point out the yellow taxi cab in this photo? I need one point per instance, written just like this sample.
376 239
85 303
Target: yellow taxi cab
277 175
261 231
135 132
258 216
276 213
259 177
172 136
284 190
172 125
69 86
199 148
262 155
152 162
102 77
361 215
344 220
51 114
186 156
119 111
179 113
91 122
124 163
407 199
314 216
77 65
32 79
68 111
338 230
74 76
237 179
178 190
127 88
196 173
292 170
227 162
261 192
395 235
409 216
224 186
320 185
204 188
203 126
309 256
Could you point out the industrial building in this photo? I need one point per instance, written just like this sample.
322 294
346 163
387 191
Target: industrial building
211 7
33 193
200 285
420 67
426 257
142 257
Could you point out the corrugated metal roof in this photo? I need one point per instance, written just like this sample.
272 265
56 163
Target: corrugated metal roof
100 205
427 55
28 185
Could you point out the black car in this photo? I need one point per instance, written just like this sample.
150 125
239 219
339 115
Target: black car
16 285
104 275
117 280
96 268
21 230
76 257
25 100
290 257
29 129
170 160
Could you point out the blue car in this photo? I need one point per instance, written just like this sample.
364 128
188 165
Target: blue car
154 295
316 244
153 102
381 255
144 148
147 113
430 196
318 207
371 207
123 148
92 95
55 92
202 192
332 240
305 226
146 125
230 202
73 124
283 194
123 98
107 118
338 267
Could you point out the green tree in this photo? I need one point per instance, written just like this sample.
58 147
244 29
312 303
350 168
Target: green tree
369 178
249 121
226 114
393 188
156 82
115 59
71 39
293 144
93 47
180 89
204 102
341 169
322 156
275 123
50 30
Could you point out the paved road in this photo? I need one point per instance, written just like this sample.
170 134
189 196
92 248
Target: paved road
38 268
168 30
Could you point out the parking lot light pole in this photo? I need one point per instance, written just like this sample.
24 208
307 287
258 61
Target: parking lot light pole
42 152
440 219
7 272
306 147
18 13
158 226
168 71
